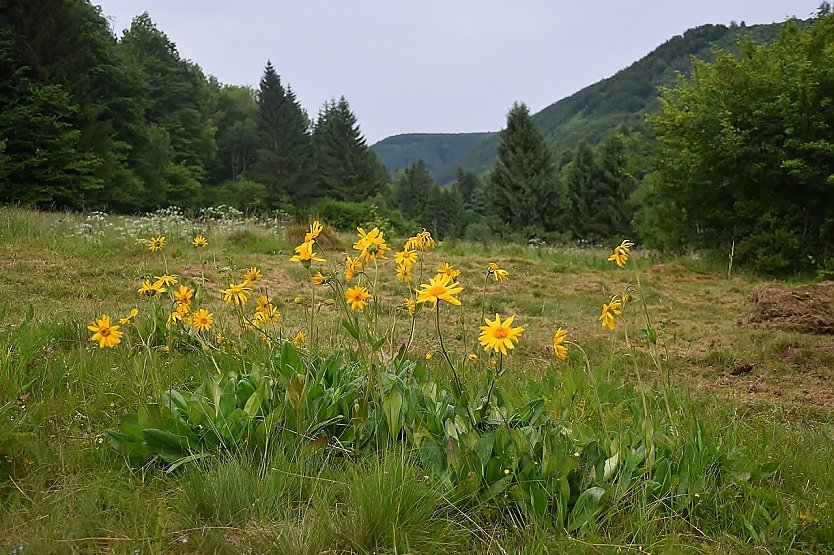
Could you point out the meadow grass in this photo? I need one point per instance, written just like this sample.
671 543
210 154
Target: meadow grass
63 489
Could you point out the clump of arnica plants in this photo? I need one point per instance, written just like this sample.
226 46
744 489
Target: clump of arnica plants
377 418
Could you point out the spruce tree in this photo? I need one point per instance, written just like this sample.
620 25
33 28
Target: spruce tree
410 190
284 161
523 184
347 167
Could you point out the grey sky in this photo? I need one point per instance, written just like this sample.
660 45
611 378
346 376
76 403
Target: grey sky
431 65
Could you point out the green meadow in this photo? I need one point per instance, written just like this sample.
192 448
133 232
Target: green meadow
701 423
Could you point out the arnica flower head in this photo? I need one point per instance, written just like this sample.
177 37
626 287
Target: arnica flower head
202 320
403 273
352 267
268 314
371 245
252 275
183 295
299 339
168 280
155 244
406 258
180 314
315 229
357 297
319 279
105 333
448 270
620 254
410 306
304 254
498 335
423 241
236 293
200 242
148 289
499 273
134 312
559 348
219 338
440 287
614 308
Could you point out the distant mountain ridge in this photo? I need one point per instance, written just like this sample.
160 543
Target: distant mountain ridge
623 99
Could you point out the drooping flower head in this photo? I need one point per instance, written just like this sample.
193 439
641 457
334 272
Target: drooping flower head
614 308
299 339
357 297
202 320
268 314
499 273
236 293
352 267
499 336
445 268
315 229
148 289
423 241
105 333
134 312
319 279
200 242
179 314
252 275
440 288
559 348
155 244
304 254
371 245
411 306
167 280
620 254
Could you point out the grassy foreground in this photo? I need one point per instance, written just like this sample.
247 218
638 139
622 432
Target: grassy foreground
750 407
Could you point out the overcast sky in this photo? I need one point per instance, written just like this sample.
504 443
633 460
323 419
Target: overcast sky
432 65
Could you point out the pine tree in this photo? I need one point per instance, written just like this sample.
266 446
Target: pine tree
524 190
284 162
410 190
347 167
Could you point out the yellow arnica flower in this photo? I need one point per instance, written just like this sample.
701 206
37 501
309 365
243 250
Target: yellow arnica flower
448 270
299 339
559 348
441 287
268 314
420 242
262 302
129 318
200 242
319 279
149 289
167 280
406 258
357 296
403 272
620 255
500 274
180 314
236 293
106 334
498 335
370 245
219 338
411 306
614 308
315 229
304 254
429 356
183 295
202 320
352 267
155 244
472 357
252 275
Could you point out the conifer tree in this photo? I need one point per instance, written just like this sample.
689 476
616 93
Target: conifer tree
524 190
410 190
284 161
347 167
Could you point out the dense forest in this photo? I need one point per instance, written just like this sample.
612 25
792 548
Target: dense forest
734 155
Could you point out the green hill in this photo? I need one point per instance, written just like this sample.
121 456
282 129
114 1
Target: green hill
622 100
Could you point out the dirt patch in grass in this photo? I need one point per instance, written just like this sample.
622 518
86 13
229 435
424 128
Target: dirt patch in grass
803 309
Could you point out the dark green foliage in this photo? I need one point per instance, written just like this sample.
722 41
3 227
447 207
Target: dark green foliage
235 114
745 151
410 190
439 151
285 158
347 168
415 194
523 186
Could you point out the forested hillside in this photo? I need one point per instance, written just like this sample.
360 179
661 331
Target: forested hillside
620 101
